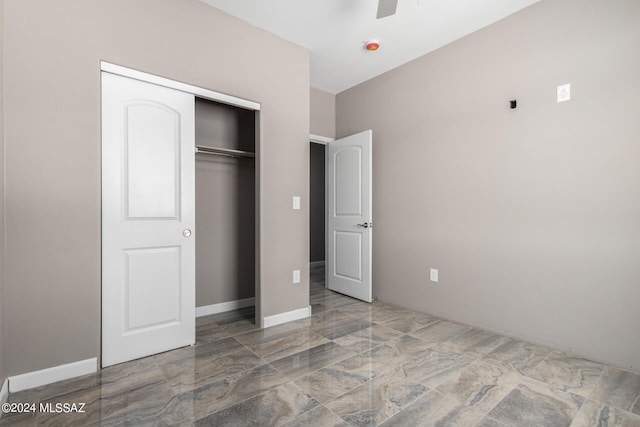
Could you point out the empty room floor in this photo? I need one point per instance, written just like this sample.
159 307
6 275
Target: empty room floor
351 363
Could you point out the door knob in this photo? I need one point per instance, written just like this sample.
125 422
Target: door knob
186 232
364 225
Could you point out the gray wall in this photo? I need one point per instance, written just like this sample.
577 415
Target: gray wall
225 205
317 202
3 300
322 123
323 113
52 101
530 215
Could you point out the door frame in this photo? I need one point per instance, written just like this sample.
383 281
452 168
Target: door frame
217 97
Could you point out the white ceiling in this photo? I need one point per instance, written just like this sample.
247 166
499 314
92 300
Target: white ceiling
334 31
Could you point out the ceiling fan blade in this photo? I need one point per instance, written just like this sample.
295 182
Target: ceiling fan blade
386 8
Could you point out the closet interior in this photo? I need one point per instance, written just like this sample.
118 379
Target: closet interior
225 138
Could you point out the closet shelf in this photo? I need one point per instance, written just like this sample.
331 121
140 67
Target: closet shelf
224 152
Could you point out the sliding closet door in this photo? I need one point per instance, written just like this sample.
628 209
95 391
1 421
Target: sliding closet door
148 219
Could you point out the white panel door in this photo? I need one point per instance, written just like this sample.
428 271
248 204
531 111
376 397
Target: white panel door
148 219
349 216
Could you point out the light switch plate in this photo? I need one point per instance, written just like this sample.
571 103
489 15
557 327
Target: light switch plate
564 92
433 275
296 276
296 202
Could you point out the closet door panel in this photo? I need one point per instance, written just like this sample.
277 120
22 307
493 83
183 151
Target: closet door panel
148 219
152 153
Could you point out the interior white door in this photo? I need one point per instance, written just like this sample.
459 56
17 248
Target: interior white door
148 219
349 222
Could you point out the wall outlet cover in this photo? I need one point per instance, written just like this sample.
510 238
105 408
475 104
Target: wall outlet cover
564 92
296 202
296 276
433 275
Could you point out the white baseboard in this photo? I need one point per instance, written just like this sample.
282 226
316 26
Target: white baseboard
316 264
224 306
52 375
4 393
289 316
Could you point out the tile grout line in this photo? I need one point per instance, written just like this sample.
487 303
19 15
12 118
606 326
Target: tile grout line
588 397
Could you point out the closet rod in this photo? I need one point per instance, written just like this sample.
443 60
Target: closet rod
224 152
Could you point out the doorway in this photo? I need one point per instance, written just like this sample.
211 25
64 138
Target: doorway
317 213
341 171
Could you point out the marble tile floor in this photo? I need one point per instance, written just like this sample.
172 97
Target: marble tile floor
350 364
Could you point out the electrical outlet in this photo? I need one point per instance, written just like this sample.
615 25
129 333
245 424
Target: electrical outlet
433 275
296 276
564 93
